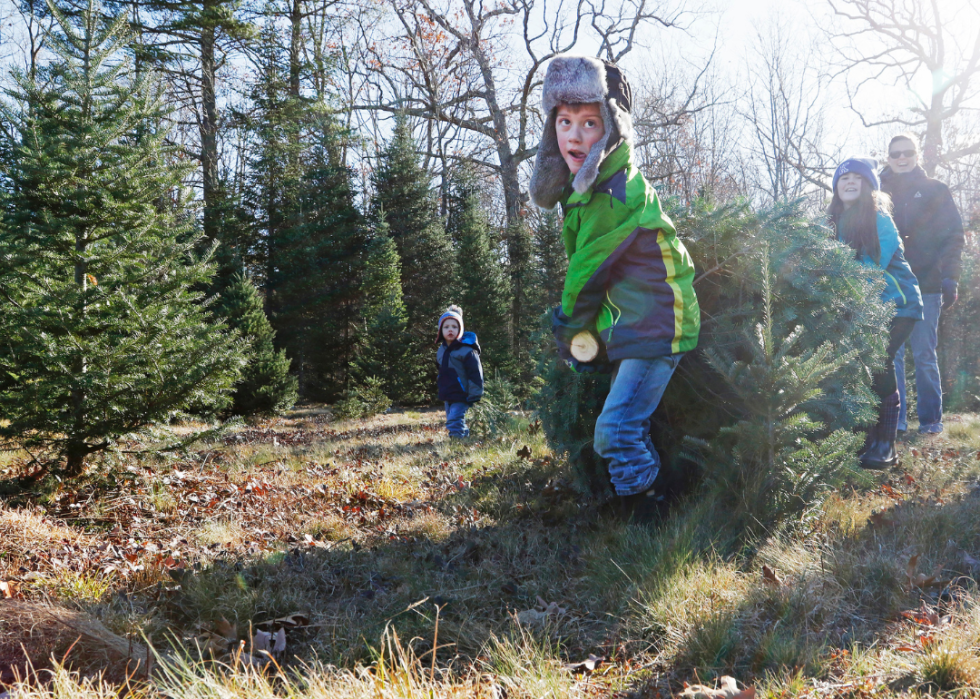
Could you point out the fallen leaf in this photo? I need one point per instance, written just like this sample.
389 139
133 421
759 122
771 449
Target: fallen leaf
532 617
891 492
925 616
769 576
911 566
8 590
728 690
212 643
226 629
541 614
551 608
587 665
294 620
921 580
878 519
906 649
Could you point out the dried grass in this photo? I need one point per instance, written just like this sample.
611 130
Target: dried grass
35 636
516 668
483 533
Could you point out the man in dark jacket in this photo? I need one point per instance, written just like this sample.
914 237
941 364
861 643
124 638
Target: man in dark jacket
932 231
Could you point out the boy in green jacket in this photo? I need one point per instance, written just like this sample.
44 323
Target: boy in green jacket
629 280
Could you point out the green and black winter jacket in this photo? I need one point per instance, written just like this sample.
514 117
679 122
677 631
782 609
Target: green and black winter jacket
629 278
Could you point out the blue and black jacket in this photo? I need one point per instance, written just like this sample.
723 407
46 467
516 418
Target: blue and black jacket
901 286
460 371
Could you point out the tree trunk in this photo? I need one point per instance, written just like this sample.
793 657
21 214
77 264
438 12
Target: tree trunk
75 462
518 250
295 21
209 126
932 144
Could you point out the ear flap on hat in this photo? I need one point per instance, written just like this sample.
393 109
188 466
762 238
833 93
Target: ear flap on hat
550 176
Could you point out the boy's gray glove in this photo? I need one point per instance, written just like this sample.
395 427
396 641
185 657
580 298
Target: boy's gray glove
564 331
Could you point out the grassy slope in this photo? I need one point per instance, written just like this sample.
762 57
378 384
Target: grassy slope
353 524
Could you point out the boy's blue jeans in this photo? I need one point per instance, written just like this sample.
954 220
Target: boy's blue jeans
923 342
456 419
622 432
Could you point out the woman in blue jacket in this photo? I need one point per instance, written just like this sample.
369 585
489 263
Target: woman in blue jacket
861 216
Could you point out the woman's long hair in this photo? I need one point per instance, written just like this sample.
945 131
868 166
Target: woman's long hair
858 226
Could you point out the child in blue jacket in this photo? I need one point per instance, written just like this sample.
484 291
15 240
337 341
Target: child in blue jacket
861 215
460 372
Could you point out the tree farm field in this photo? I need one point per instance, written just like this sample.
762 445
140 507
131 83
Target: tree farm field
304 556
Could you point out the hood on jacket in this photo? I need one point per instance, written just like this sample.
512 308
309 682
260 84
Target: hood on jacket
469 338
579 80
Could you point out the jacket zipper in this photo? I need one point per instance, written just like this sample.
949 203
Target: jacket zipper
897 286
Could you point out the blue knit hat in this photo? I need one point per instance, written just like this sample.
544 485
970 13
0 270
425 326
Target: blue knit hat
866 167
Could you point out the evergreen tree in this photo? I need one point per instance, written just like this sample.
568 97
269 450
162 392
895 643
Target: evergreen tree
550 262
275 187
384 347
320 263
266 386
403 191
235 228
104 330
482 283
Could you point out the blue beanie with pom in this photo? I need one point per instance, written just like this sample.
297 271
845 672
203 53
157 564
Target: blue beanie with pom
866 167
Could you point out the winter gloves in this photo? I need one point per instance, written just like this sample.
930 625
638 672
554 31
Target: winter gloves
949 293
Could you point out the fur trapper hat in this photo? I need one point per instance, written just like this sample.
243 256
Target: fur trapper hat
454 312
580 80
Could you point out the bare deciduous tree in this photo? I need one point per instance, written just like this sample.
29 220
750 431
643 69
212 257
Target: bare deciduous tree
784 108
688 134
458 62
911 42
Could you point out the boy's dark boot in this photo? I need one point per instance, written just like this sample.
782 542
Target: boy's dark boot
643 508
880 454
